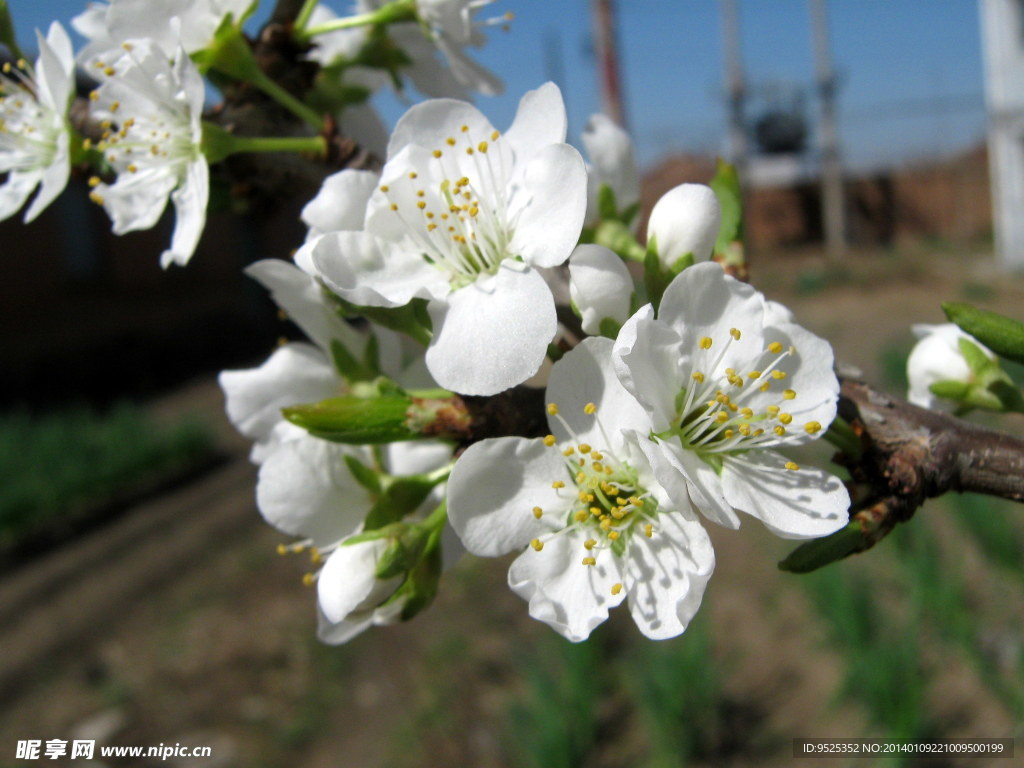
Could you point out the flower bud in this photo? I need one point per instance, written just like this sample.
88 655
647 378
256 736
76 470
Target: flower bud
938 360
348 584
685 221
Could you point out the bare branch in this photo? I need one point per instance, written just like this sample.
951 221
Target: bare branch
910 454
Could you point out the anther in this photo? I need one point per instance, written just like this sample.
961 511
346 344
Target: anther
785 418
778 375
812 427
788 394
308 579
590 409
589 544
616 588
698 377
437 153
734 333
589 561
537 512
705 342
775 347
552 409
649 530
792 466
537 544
560 484
549 441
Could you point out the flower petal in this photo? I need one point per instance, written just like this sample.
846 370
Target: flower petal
190 200
15 191
540 120
610 151
549 224
646 358
493 489
492 334
301 298
372 272
305 489
568 596
54 178
671 464
601 286
794 504
667 574
429 123
295 373
341 202
348 584
585 375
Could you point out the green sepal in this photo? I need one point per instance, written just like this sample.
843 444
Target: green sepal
1008 394
816 553
976 360
607 208
555 353
7 35
627 216
420 587
950 389
411 319
656 280
216 143
401 496
364 475
355 370
609 327
228 53
726 185
1002 335
358 420
403 552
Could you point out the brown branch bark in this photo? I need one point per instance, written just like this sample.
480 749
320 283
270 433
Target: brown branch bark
910 454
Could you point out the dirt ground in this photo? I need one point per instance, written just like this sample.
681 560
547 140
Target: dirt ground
179 623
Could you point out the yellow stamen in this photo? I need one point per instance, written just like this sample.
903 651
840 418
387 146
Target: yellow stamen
537 544
775 347
705 342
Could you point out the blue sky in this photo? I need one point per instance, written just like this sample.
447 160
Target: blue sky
911 71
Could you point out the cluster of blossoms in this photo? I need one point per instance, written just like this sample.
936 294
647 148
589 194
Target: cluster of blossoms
145 140
659 420
476 260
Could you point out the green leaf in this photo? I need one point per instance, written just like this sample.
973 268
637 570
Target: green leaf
726 184
814 554
1008 395
358 420
1002 335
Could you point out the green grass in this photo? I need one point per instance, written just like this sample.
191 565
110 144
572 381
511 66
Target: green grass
54 466
677 691
995 526
883 659
554 724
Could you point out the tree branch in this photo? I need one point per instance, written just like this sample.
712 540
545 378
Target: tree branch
910 454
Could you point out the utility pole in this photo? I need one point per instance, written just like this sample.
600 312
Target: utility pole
608 61
832 204
735 86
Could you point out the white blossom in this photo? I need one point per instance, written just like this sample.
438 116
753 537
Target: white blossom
34 131
464 216
151 110
583 506
727 384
